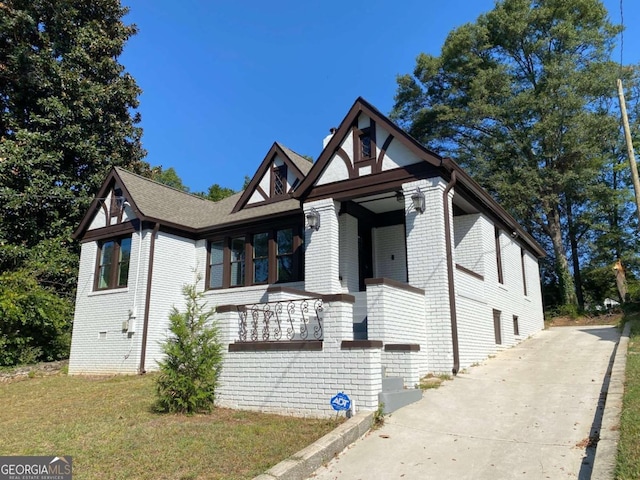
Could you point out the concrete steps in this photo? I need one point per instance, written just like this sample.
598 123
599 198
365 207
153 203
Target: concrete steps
395 396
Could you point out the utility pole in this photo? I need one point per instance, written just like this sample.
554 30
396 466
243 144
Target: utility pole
630 153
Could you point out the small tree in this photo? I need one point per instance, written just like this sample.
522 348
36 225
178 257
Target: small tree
190 371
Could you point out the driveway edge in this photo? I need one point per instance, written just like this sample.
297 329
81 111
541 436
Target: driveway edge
303 463
604 463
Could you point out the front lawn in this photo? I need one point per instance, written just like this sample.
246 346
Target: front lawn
109 428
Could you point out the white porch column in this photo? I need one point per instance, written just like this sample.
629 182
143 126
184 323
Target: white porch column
322 249
427 266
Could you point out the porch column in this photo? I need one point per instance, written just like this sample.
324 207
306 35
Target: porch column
427 266
322 249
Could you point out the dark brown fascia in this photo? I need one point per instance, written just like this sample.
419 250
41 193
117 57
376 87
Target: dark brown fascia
361 106
107 185
262 170
488 205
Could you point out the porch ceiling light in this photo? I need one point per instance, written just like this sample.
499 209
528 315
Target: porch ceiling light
418 200
313 219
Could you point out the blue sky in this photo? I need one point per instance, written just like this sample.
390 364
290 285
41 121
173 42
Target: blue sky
223 80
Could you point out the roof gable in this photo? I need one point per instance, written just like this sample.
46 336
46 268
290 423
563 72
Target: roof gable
280 173
365 143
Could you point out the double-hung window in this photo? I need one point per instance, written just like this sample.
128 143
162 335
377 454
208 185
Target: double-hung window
237 251
261 257
113 263
284 244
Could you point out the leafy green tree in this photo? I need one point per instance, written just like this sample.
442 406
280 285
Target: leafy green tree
193 358
35 322
168 177
523 98
216 192
67 114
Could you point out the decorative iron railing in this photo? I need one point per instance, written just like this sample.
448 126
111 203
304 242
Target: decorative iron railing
281 321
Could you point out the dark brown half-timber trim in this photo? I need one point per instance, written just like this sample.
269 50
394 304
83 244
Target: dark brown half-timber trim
260 190
307 345
147 300
262 170
106 213
117 230
383 151
361 106
387 181
347 344
469 272
393 283
345 158
401 347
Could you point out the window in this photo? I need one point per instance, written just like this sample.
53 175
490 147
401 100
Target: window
279 181
524 272
216 264
498 255
516 327
113 263
365 148
270 256
284 254
237 261
260 258
497 326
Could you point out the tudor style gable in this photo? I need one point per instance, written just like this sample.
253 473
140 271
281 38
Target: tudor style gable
366 149
279 174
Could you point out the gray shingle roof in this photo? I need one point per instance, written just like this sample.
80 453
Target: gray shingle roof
166 204
299 161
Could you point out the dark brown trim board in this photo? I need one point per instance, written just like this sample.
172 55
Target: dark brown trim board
450 276
307 345
469 272
348 344
401 347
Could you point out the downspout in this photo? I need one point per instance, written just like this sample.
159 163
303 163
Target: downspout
450 273
147 301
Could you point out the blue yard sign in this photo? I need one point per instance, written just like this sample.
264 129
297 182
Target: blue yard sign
341 402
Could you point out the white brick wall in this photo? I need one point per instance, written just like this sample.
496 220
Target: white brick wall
427 268
390 254
301 382
396 315
476 299
322 255
98 343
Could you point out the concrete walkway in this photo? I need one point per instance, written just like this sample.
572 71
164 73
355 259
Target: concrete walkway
527 413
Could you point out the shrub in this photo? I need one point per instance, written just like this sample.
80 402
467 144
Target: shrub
193 358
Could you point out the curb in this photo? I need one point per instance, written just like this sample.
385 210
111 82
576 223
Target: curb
303 463
604 463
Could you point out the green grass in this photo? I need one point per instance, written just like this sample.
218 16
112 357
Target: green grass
628 461
109 428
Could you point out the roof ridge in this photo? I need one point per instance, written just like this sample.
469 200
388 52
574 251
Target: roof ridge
284 147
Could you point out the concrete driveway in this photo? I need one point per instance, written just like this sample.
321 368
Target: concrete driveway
526 413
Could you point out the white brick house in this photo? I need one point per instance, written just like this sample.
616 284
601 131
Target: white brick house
381 258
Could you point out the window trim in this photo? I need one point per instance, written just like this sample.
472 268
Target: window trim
359 134
115 266
524 271
499 255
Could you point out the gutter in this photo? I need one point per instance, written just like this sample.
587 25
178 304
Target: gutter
147 301
450 273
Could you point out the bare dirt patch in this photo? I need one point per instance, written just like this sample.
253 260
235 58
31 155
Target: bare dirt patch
586 320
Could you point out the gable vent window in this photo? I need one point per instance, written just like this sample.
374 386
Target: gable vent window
279 181
365 144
